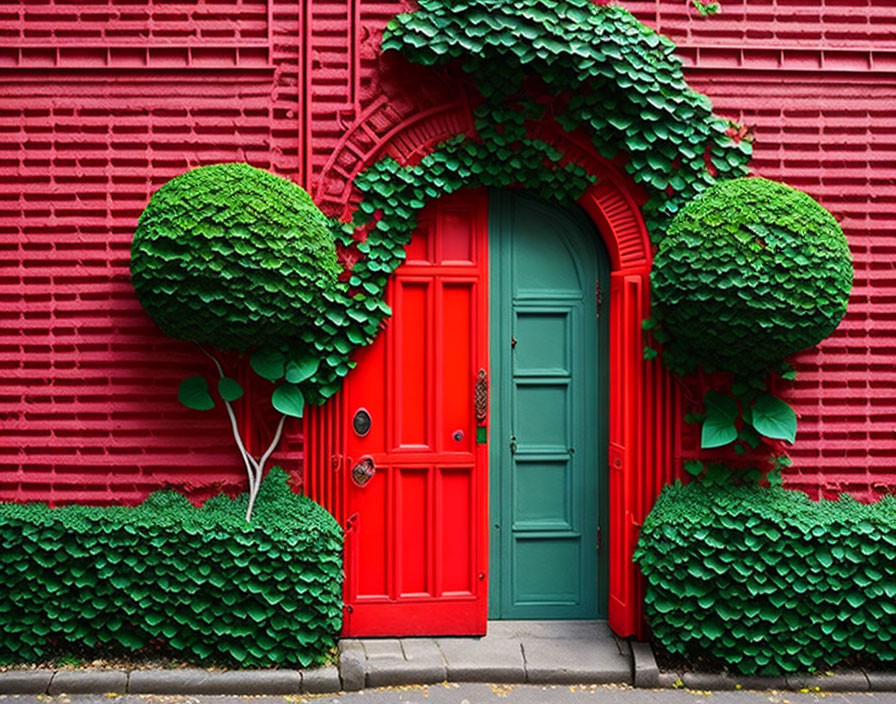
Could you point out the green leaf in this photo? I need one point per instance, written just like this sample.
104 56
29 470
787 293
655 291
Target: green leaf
298 371
229 389
712 629
717 432
193 393
718 426
717 474
288 400
693 467
268 364
774 418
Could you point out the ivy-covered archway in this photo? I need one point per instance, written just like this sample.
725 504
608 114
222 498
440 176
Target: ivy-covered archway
640 443
577 102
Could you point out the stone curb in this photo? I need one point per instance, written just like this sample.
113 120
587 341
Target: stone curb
647 675
646 671
88 682
351 675
25 681
197 681
180 681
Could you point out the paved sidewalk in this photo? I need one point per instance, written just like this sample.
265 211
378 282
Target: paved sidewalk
450 693
555 652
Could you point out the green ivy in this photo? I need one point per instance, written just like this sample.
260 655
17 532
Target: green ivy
706 8
586 66
767 580
201 581
580 64
748 274
758 413
719 473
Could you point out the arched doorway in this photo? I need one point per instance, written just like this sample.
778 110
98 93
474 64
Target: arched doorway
644 403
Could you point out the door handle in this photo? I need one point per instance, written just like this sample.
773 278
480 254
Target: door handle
363 471
480 397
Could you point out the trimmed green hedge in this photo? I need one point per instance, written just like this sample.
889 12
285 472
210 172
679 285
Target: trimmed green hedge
201 580
768 580
747 274
233 256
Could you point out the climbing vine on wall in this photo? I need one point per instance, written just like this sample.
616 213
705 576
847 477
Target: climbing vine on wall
595 68
573 63
586 66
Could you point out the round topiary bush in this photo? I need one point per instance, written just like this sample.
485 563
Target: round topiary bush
233 256
747 274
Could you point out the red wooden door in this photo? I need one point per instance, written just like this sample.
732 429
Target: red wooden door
416 552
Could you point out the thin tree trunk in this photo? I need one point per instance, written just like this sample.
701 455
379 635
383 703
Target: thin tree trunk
254 468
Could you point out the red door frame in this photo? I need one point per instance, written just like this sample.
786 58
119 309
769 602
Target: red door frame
644 403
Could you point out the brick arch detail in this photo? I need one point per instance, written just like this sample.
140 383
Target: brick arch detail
644 403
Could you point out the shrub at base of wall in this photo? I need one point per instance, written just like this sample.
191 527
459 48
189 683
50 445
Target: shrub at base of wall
769 581
201 581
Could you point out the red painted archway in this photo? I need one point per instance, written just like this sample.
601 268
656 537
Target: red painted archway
644 404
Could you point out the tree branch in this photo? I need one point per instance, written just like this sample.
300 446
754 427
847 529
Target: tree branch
254 477
254 468
253 491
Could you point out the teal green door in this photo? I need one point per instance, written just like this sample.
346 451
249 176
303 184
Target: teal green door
548 350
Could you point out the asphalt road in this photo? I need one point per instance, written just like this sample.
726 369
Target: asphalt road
486 694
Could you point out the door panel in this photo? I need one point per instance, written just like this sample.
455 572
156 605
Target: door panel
416 533
548 439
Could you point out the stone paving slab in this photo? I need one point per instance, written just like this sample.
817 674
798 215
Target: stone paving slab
572 652
321 680
882 681
841 681
575 662
512 652
382 648
646 672
352 664
550 630
492 658
418 661
705 681
648 676
760 682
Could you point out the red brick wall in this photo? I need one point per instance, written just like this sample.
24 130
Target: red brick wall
102 102
99 105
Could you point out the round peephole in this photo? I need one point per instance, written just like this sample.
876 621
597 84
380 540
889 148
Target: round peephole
361 422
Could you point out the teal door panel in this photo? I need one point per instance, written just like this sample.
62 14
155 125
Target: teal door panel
548 410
